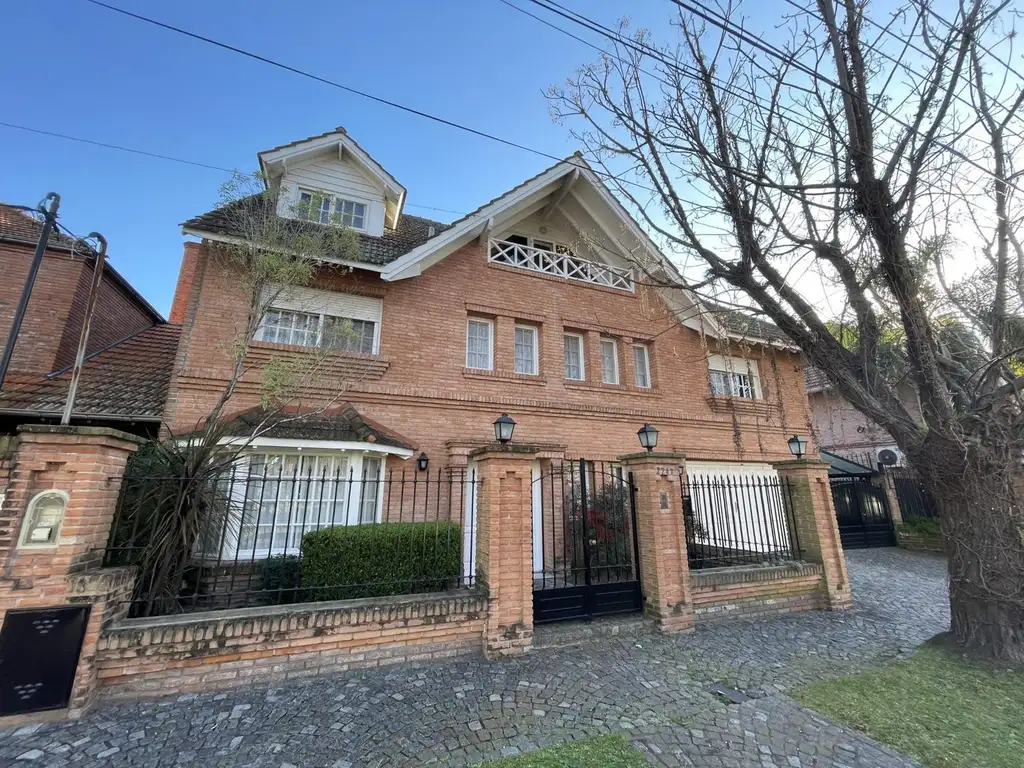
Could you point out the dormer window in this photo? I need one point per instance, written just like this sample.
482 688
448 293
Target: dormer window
326 210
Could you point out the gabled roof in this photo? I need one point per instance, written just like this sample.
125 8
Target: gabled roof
19 227
273 162
341 424
814 379
126 381
410 232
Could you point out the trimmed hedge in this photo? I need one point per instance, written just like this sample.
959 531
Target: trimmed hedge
347 562
280 579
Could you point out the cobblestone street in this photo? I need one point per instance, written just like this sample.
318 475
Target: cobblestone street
654 688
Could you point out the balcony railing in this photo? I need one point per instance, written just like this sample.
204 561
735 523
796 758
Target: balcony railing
565 265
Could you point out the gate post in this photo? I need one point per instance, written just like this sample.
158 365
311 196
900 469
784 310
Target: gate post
50 561
814 515
888 484
664 569
504 546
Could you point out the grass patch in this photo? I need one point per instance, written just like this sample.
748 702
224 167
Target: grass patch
927 526
945 711
611 751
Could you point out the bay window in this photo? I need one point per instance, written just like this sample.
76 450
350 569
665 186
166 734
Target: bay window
278 497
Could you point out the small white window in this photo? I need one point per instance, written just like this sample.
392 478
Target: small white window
574 357
526 349
734 377
642 366
478 344
351 214
370 501
609 361
315 207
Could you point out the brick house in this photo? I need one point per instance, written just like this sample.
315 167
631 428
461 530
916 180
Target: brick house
533 305
841 430
130 350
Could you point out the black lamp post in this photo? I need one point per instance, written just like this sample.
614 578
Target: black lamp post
797 445
422 461
504 425
648 437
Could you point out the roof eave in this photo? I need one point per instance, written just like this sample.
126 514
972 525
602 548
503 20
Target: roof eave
232 240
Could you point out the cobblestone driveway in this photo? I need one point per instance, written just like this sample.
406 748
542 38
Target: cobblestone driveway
654 688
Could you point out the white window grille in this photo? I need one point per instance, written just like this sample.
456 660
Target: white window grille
326 210
307 329
555 259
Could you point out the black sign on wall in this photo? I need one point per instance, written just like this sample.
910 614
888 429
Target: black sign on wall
39 650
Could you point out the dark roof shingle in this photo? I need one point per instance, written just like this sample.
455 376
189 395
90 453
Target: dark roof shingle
344 423
411 231
20 225
746 325
127 380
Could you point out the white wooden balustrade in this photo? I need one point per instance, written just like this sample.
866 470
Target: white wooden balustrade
566 265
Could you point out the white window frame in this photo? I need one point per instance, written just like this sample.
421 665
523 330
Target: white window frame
335 209
262 331
646 367
490 342
583 361
231 546
531 242
535 361
615 361
738 373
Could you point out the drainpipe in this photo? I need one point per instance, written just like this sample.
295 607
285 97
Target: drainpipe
53 199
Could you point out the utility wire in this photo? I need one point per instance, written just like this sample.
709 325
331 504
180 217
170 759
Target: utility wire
120 148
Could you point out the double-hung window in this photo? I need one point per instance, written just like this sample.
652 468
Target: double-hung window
526 349
479 346
574 369
609 361
324 209
642 366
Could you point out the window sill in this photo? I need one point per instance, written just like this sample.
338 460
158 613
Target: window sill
725 404
589 387
517 378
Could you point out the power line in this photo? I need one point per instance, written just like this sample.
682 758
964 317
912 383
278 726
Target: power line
132 150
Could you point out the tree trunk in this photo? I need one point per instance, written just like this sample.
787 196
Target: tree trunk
980 496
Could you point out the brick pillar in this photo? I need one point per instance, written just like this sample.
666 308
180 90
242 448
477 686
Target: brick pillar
810 502
504 548
888 484
664 569
86 463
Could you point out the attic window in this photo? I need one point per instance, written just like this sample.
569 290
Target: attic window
325 210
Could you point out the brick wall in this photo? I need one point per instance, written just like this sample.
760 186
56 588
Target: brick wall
53 319
202 651
427 394
756 591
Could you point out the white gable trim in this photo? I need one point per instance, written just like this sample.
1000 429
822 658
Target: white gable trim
345 144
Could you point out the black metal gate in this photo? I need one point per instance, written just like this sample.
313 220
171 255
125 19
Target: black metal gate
585 552
862 512
914 499
39 652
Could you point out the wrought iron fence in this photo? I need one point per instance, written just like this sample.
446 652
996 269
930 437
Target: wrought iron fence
738 520
295 529
915 500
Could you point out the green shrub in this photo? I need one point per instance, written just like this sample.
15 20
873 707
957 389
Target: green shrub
383 559
927 526
280 579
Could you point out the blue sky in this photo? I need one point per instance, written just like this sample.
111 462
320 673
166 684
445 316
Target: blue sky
85 71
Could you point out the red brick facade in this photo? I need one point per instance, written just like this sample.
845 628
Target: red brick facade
53 321
419 386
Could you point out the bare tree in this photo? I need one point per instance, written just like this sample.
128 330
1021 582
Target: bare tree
828 167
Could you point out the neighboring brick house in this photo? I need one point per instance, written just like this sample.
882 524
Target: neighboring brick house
529 305
130 351
841 429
